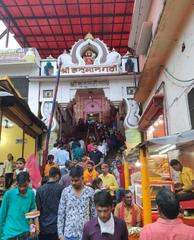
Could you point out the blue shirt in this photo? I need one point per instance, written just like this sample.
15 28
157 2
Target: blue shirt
78 153
62 157
12 213
47 201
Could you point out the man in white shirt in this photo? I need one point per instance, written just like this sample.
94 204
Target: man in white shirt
54 151
82 143
61 158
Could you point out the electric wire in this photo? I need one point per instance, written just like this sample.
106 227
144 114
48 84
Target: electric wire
177 79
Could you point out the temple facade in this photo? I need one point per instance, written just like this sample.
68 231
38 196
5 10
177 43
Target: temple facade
94 82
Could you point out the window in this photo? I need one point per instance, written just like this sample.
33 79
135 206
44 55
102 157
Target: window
47 93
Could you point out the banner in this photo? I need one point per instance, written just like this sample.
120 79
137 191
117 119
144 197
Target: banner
18 56
133 138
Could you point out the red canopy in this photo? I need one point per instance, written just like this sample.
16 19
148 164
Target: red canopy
54 25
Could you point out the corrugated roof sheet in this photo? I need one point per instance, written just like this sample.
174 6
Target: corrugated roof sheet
54 25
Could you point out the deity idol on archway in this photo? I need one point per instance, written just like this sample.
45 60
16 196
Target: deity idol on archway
89 57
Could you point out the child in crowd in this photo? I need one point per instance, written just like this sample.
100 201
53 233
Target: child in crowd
8 170
20 166
97 185
50 164
83 163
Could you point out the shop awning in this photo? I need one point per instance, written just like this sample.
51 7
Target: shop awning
152 112
17 110
164 144
168 143
179 138
6 99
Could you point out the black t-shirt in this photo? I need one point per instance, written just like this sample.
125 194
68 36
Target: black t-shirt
47 201
96 156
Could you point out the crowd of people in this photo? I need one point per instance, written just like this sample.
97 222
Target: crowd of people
80 212
82 197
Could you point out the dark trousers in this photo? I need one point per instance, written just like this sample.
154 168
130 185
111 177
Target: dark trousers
8 180
23 236
185 196
51 236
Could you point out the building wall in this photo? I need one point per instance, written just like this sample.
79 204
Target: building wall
33 97
20 70
8 142
21 84
29 146
12 142
180 65
154 15
114 90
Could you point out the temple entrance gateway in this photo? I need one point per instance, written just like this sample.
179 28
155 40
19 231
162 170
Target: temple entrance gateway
93 85
91 104
93 117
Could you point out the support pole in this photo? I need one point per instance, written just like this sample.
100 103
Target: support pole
45 152
126 174
7 36
3 34
23 142
147 211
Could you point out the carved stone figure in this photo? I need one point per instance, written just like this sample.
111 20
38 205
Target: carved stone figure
64 59
132 117
46 108
113 58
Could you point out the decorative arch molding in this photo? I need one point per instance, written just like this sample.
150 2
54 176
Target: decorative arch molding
81 46
89 56
92 106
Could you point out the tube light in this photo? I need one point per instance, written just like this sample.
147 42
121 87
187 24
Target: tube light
137 164
172 147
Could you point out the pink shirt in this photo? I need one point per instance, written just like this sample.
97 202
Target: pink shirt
164 229
89 147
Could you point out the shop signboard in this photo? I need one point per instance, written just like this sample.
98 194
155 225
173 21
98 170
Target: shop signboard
20 141
89 84
19 56
92 69
49 68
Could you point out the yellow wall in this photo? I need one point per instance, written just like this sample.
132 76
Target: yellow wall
29 146
8 142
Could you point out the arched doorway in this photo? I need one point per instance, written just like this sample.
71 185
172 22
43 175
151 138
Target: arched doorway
93 111
91 104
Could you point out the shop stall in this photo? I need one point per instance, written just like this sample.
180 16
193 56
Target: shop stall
20 129
153 172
